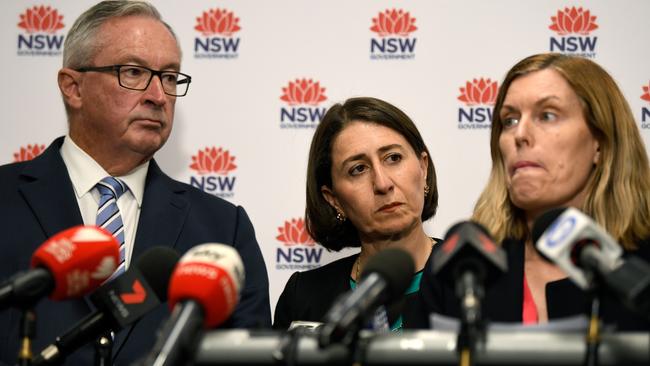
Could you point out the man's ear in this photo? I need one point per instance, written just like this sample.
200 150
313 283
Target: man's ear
69 84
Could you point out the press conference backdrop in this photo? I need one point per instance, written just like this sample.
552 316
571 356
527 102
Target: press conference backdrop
264 72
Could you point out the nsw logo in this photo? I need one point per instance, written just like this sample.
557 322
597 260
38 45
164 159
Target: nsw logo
39 26
302 97
28 152
479 97
217 40
298 250
393 28
214 168
645 111
573 26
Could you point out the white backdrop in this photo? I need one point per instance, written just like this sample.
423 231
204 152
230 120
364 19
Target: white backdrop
243 55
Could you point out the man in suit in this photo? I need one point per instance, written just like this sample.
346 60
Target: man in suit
119 82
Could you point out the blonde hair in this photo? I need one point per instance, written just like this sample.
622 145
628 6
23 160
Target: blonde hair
617 193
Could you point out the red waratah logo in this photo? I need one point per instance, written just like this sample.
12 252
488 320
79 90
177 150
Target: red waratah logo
41 19
217 21
28 153
574 20
479 91
213 160
646 93
393 22
303 91
294 232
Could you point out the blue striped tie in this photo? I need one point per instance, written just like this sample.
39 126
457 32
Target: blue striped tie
108 215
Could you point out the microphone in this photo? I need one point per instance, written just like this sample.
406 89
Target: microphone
383 281
470 260
68 265
119 303
203 292
586 253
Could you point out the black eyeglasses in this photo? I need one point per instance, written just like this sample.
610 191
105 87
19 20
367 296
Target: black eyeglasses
139 77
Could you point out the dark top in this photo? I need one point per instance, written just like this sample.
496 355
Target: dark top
309 295
504 299
37 201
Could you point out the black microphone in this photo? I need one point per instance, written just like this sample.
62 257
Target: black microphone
119 303
470 260
591 257
384 280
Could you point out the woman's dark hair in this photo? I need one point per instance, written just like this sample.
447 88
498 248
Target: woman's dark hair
320 217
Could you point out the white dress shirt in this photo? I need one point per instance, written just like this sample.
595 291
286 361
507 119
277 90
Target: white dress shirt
85 173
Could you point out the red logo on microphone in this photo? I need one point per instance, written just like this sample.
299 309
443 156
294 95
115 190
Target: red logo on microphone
450 244
138 295
488 245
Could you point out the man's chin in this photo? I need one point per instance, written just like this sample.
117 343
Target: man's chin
147 146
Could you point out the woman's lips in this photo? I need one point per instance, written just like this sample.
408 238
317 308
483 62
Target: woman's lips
389 207
523 164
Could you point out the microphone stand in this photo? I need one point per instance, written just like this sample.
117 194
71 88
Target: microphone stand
27 332
593 332
104 350
472 327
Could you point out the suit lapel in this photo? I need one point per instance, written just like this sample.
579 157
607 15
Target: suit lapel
48 191
164 209
163 213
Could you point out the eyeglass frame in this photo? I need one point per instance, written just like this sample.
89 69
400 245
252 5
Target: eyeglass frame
159 73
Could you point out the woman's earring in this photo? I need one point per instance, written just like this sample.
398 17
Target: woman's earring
340 217
426 190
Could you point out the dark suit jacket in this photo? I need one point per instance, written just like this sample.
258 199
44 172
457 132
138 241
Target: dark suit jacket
504 299
37 201
309 295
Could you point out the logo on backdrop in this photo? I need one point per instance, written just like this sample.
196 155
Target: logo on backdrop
28 152
479 97
645 111
573 26
298 250
303 97
217 40
392 40
214 168
39 26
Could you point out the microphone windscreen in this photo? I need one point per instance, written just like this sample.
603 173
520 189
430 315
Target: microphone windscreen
545 221
213 276
396 267
157 265
80 259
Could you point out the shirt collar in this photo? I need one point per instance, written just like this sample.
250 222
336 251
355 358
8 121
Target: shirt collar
85 172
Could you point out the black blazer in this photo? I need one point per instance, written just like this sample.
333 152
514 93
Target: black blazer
37 201
309 295
504 299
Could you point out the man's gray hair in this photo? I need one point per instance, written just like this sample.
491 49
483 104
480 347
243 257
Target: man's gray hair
81 44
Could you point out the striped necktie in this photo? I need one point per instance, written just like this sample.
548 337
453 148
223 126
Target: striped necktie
108 215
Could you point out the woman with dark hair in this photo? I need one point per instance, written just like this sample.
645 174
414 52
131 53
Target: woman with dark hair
370 184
